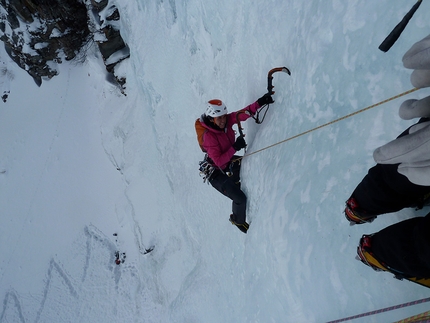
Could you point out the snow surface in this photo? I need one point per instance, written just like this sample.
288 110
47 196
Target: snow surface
79 162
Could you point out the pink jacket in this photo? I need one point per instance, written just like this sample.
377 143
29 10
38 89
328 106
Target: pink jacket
219 143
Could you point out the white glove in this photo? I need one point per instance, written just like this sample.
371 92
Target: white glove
413 108
412 151
418 58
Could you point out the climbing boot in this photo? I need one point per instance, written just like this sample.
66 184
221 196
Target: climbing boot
241 226
355 215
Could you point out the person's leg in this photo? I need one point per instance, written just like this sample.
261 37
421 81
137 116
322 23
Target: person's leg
239 201
404 246
383 190
225 185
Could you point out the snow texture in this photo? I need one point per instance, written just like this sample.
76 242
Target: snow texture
80 162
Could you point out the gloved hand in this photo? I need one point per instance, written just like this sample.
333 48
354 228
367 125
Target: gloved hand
418 59
240 143
412 150
265 99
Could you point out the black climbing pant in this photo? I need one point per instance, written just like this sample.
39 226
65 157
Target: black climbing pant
230 187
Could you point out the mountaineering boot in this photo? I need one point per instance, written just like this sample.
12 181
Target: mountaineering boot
365 254
241 226
356 216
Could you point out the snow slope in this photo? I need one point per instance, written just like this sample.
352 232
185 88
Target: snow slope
79 162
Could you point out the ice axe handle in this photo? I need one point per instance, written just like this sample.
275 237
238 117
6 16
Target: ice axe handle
239 125
397 31
269 85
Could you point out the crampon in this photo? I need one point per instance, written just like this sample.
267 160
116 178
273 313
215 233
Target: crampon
354 215
366 256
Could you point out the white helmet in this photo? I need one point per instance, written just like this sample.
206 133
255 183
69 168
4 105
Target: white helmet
216 108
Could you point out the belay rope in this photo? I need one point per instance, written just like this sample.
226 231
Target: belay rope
331 122
383 310
205 169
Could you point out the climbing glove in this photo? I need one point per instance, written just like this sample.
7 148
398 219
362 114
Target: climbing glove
265 99
240 143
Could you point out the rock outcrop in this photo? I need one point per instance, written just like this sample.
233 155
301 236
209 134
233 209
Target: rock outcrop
39 34
106 32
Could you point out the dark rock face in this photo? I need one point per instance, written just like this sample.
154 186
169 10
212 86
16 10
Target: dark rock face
38 34
114 50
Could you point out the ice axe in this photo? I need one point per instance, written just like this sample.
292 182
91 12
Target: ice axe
269 90
270 77
397 31
239 125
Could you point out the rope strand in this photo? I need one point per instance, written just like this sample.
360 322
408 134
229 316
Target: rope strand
383 310
420 318
330 123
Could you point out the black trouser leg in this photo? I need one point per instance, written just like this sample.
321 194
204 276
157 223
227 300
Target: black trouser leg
384 190
226 185
405 246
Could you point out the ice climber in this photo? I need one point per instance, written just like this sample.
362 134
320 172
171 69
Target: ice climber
218 140
401 177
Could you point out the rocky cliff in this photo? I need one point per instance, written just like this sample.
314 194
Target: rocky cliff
39 34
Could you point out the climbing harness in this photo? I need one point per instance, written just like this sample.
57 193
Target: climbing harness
206 168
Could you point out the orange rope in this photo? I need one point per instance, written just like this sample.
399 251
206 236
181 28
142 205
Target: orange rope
417 318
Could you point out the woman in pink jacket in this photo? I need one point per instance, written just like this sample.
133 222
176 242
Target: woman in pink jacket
220 143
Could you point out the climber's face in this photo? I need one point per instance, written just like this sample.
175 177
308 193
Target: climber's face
221 121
